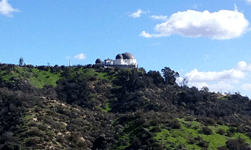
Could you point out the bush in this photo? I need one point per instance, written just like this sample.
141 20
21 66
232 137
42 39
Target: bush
230 134
211 122
156 129
221 132
206 131
32 141
175 124
233 144
203 144
11 146
222 148
237 144
220 122
189 119
191 140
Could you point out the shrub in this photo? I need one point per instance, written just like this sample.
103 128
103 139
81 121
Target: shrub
189 119
233 144
196 127
220 122
230 134
43 127
92 78
221 132
232 130
156 129
203 144
222 148
241 129
31 141
211 121
191 140
60 139
11 146
175 124
206 131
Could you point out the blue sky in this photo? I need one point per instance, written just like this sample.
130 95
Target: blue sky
207 42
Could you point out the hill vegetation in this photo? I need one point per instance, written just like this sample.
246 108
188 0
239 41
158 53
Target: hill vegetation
95 108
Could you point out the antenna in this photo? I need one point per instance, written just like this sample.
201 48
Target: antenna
70 62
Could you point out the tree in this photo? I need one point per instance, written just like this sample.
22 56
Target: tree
205 89
169 75
21 61
155 75
184 82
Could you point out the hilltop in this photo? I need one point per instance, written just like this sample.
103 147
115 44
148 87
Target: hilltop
91 107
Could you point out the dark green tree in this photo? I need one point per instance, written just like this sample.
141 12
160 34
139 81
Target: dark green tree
169 75
21 61
184 82
205 89
156 76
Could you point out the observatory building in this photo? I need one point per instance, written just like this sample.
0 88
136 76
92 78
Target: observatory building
126 60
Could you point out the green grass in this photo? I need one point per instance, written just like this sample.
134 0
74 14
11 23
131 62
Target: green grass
243 136
223 98
215 140
224 127
27 117
87 72
40 78
36 77
107 108
131 130
175 137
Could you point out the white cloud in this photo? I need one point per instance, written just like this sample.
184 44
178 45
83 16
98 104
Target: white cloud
224 24
6 9
248 1
80 56
242 65
246 87
144 34
137 14
161 17
219 86
232 74
224 81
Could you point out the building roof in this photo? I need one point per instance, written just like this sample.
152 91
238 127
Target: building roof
128 56
98 61
108 59
119 56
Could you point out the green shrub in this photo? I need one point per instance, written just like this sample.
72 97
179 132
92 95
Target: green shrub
206 131
220 122
221 131
32 141
156 129
175 124
211 122
203 144
191 140
230 134
222 148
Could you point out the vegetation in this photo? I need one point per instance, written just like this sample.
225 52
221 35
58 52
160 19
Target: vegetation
90 107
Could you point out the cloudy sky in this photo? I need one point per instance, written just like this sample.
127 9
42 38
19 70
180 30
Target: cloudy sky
207 42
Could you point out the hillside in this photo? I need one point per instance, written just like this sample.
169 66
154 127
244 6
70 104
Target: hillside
95 108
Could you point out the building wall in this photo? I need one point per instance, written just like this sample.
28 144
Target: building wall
129 63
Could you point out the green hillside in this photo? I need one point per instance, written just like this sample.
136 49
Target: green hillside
94 108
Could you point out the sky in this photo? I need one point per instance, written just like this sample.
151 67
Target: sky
207 42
